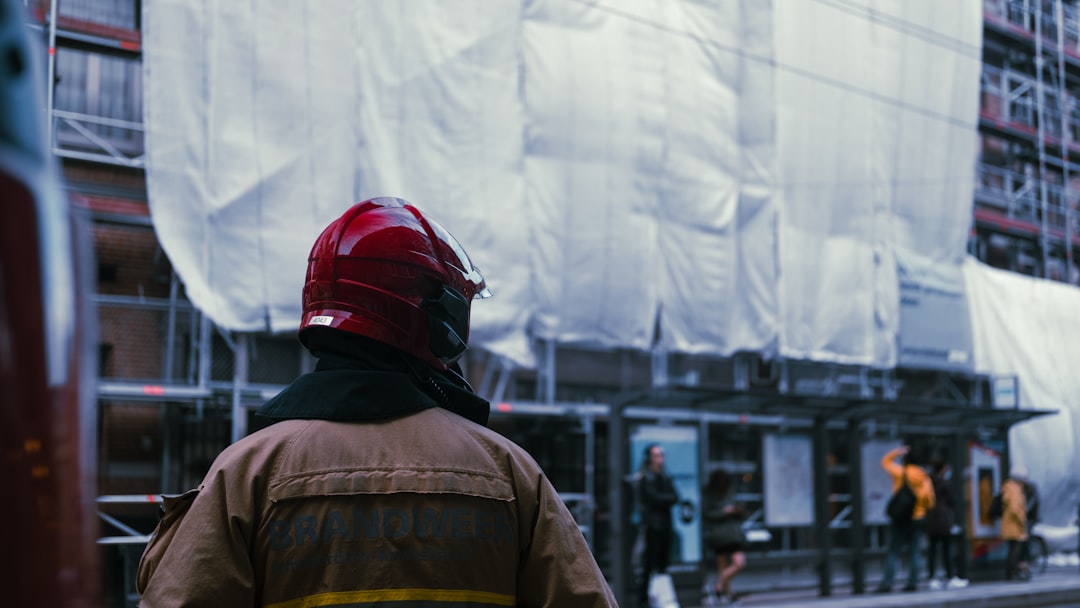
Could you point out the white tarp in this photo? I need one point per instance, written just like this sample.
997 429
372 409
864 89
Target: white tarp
1028 328
266 120
877 143
738 174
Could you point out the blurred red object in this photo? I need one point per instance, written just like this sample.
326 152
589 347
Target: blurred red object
47 425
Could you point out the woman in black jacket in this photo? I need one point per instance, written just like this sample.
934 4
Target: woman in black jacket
723 531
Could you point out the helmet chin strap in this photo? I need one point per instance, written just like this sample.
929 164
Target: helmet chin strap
452 392
457 376
430 376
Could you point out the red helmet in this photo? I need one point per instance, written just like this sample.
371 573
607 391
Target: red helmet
387 271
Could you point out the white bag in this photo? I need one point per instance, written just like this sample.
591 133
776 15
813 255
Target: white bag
662 592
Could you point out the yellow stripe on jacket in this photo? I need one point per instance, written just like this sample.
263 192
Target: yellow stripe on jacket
370 596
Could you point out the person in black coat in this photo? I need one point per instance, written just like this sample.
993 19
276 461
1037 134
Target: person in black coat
939 528
657 495
1031 503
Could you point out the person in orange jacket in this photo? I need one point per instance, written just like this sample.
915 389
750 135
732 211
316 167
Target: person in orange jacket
906 533
1014 524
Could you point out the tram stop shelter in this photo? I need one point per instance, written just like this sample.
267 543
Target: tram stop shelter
818 422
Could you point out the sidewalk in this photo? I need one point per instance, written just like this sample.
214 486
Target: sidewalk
1058 587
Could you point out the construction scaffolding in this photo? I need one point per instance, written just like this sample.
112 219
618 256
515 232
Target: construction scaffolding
174 388
1027 212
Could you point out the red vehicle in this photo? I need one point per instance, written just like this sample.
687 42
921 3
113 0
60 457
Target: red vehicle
47 424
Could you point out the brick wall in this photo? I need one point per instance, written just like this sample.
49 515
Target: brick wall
130 263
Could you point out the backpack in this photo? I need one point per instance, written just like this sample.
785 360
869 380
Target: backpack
1031 499
996 509
901 506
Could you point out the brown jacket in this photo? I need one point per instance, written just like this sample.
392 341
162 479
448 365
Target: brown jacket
426 508
1013 511
917 479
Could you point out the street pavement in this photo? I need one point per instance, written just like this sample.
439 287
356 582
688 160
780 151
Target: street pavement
1058 587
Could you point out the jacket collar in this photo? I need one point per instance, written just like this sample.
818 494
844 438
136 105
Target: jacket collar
347 396
364 388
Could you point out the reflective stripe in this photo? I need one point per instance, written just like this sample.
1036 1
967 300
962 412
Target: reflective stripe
398 595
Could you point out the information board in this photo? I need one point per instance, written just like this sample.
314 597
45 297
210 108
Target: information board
877 484
789 480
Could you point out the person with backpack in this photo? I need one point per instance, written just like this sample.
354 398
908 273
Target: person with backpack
913 497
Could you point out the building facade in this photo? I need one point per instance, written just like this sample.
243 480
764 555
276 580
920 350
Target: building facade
174 389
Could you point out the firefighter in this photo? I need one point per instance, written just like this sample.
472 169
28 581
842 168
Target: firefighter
377 480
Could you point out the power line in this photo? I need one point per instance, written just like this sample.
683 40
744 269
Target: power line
771 62
905 26
915 182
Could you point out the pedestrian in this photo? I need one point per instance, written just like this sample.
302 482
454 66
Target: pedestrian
724 532
906 533
377 481
658 495
1014 530
939 529
1031 508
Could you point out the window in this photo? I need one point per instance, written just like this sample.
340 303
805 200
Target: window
98 104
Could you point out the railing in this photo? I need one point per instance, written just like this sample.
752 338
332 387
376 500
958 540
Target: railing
1023 13
1013 193
1017 196
1009 97
95 138
1071 27
1017 12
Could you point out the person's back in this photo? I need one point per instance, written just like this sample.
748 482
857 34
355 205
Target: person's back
940 516
377 480
915 477
723 534
939 528
366 512
906 532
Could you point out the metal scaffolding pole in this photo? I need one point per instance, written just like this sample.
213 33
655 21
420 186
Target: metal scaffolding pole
50 81
1040 113
240 379
1064 97
170 331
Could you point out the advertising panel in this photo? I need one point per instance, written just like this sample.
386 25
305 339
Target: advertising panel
985 481
789 480
877 484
